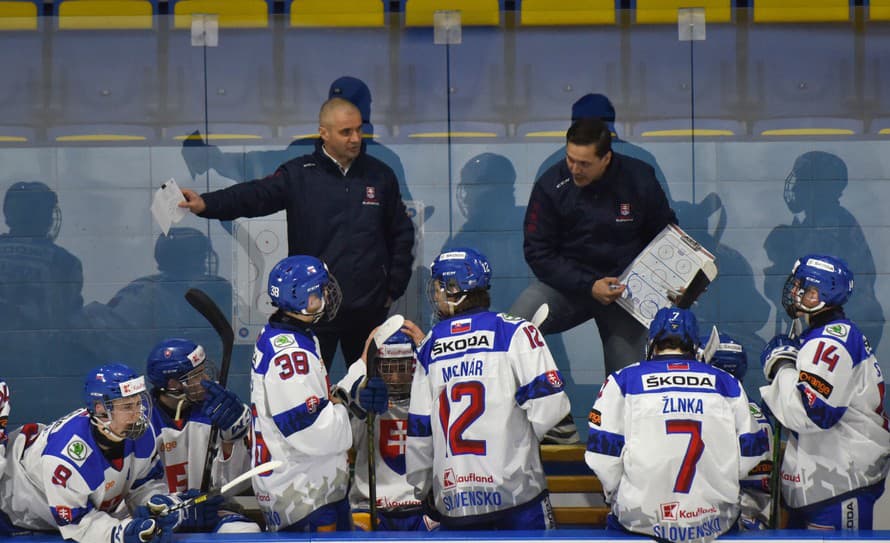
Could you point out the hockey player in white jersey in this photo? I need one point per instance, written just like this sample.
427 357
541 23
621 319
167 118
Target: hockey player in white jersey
485 391
295 419
827 388
186 402
730 356
94 475
5 407
397 508
670 438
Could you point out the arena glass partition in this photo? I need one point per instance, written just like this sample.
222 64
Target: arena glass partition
764 127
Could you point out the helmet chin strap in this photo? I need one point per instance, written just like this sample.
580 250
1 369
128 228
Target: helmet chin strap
453 305
105 428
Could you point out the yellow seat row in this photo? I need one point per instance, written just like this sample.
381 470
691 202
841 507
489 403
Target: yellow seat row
138 14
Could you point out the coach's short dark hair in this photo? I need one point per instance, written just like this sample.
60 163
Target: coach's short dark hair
591 132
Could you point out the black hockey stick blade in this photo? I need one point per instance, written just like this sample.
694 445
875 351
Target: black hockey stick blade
229 488
211 312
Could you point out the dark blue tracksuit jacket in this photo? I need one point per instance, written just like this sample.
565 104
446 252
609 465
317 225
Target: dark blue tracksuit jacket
356 223
575 236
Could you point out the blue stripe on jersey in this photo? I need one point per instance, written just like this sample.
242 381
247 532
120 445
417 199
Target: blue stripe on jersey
754 444
654 377
824 415
269 350
67 515
156 473
419 426
602 442
479 321
297 418
540 387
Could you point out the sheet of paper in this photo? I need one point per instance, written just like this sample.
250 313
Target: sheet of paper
665 268
164 205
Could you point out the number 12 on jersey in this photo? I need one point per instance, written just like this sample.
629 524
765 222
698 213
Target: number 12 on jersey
474 391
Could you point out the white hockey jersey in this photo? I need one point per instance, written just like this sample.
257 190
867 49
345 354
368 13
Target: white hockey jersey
390 434
832 400
670 439
58 479
485 391
5 406
295 421
182 446
755 498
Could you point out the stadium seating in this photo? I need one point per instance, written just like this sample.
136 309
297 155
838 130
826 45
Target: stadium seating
466 81
798 86
566 13
561 55
667 75
877 67
240 102
21 87
473 12
103 85
344 13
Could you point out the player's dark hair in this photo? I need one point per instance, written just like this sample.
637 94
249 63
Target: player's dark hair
476 299
675 343
591 132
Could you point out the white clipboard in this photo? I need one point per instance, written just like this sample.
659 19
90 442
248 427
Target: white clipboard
673 267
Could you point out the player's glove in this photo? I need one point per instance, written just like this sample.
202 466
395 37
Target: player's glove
156 510
145 530
202 516
374 396
222 406
781 351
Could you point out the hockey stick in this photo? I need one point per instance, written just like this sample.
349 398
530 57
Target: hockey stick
774 479
389 327
226 489
540 315
211 312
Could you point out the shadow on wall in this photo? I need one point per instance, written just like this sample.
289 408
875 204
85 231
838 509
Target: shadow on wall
720 304
40 298
153 307
822 225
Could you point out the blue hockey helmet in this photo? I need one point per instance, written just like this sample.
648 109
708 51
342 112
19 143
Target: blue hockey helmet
455 273
183 361
673 323
295 280
395 362
828 275
730 356
116 398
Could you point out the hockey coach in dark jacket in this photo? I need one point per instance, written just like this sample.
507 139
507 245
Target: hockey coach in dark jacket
344 208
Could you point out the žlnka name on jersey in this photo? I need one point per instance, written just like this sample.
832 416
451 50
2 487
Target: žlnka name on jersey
452 345
654 381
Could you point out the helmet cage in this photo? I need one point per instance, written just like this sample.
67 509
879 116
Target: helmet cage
397 373
829 276
112 393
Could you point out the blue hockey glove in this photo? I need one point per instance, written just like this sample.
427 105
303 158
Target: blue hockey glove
373 396
222 406
781 351
145 530
156 507
202 516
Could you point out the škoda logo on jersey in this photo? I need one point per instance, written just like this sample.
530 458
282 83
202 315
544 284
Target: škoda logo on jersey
678 380
482 339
